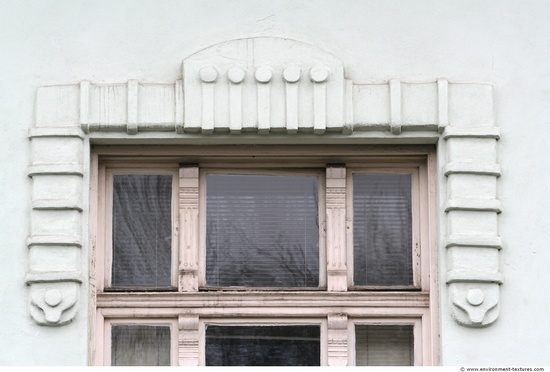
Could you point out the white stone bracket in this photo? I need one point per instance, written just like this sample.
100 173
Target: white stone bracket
472 206
55 238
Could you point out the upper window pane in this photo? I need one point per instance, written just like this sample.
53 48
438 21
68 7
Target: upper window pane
262 230
382 229
142 231
263 345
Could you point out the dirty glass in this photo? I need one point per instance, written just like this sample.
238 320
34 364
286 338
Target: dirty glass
263 345
384 345
140 345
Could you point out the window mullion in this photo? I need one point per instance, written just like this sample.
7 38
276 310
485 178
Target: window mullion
189 228
336 227
337 340
188 340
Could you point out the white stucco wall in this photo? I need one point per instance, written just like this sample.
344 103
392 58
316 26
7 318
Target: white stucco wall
502 42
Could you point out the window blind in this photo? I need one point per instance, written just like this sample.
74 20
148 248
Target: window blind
142 231
262 230
382 229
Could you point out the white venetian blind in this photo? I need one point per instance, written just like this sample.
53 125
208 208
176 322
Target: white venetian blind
142 231
382 229
384 345
262 230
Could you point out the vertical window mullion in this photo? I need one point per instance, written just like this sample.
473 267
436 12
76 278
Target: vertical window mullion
336 227
189 228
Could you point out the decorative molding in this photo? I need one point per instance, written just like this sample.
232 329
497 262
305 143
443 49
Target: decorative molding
189 228
269 299
336 227
473 274
57 171
54 303
337 340
188 341
273 87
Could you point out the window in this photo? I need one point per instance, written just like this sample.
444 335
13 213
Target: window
243 255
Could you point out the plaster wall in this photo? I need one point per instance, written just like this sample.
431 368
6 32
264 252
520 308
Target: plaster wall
505 43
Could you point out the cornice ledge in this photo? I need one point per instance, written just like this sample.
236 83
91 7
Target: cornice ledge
55 169
53 276
471 132
70 240
268 299
473 277
36 132
482 205
487 169
57 204
474 240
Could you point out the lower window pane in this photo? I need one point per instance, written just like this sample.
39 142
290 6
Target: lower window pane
263 346
379 345
140 345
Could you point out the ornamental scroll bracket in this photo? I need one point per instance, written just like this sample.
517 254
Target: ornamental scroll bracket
261 90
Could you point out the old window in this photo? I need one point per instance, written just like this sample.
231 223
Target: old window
249 256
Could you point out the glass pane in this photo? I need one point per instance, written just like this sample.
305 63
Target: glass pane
262 231
380 345
382 229
263 346
142 231
140 345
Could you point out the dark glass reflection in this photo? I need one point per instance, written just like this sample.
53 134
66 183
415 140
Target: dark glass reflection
263 346
140 345
384 345
382 229
142 231
262 231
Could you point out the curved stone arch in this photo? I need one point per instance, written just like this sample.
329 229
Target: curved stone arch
292 91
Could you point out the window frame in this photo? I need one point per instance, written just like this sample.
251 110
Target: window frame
418 345
105 256
263 321
405 306
109 322
420 268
